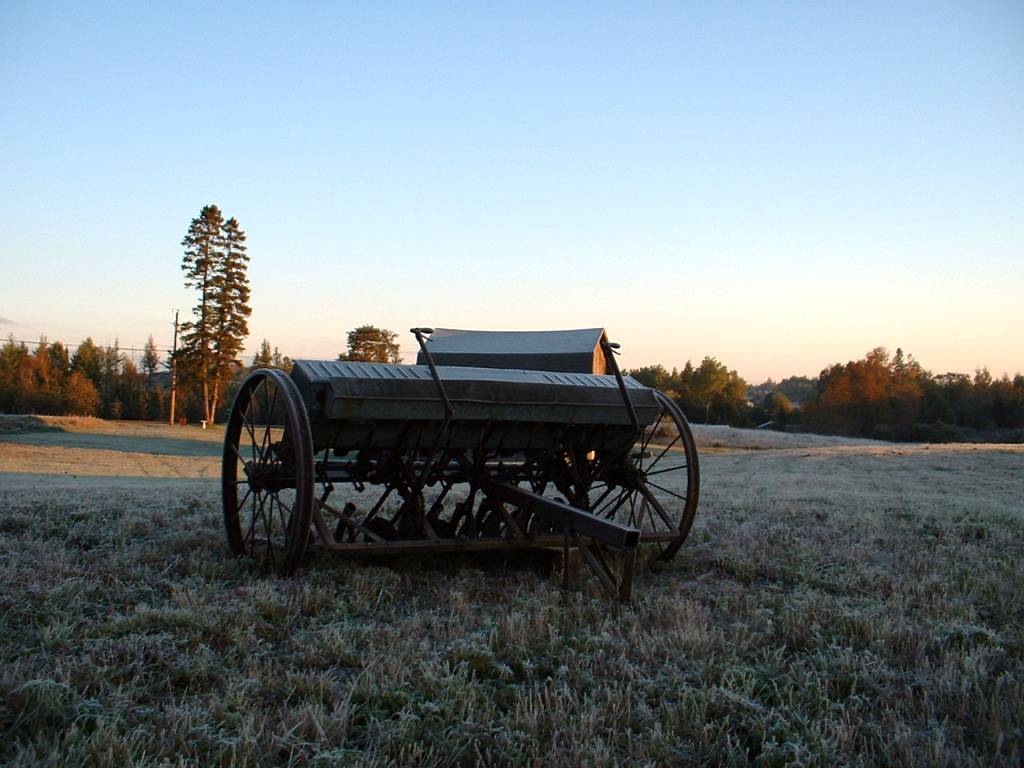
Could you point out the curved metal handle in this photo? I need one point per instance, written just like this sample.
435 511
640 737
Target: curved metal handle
609 349
448 410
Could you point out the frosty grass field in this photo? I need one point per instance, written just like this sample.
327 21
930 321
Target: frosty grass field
838 602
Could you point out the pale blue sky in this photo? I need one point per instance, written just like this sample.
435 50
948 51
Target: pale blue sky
782 185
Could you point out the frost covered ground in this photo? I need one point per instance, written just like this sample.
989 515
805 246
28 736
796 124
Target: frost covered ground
838 602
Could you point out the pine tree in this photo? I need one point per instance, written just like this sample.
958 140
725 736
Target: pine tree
111 361
202 252
88 360
281 361
215 264
264 358
150 360
130 392
230 306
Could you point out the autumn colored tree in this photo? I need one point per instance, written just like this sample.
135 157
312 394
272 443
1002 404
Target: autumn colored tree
49 372
863 396
83 399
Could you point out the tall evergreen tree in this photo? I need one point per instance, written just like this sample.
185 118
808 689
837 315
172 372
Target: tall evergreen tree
202 252
215 264
111 360
88 360
231 307
150 360
265 357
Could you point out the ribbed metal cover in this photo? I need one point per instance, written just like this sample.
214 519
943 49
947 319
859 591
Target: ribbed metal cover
325 370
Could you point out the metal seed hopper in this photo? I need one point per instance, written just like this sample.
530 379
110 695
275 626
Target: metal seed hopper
492 441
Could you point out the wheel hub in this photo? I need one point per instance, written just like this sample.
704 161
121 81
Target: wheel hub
265 478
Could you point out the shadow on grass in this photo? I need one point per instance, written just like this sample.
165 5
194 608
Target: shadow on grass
541 561
49 435
15 424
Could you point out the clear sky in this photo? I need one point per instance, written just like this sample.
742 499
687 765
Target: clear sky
781 185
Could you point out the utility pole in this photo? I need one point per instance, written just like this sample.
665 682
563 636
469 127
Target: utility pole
174 367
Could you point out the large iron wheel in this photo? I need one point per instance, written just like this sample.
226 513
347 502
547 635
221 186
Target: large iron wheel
655 488
267 474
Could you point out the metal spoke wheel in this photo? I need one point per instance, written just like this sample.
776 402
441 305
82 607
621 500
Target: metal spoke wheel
267 475
655 487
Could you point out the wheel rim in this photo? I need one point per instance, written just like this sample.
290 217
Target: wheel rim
268 472
655 487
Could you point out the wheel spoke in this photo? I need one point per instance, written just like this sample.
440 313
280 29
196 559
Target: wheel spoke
281 509
603 496
666 450
650 436
653 502
666 490
610 508
251 533
666 469
241 504
249 425
267 524
244 462
265 443
645 507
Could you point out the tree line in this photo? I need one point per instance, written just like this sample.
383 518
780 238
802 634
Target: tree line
102 381
94 381
710 393
893 397
882 396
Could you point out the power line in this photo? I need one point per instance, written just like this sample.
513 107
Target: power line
76 346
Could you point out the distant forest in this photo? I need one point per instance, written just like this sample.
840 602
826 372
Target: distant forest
881 396
103 381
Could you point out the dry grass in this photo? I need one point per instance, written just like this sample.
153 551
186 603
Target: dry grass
837 604
715 437
70 425
81 446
